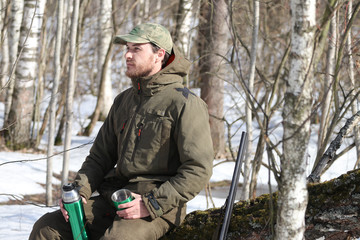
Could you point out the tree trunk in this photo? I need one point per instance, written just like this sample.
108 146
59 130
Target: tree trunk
329 80
296 122
54 92
336 85
104 99
355 103
70 91
332 213
182 34
22 106
96 115
142 12
212 67
105 40
257 164
41 71
183 25
4 47
249 155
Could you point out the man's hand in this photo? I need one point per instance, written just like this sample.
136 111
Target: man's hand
64 212
134 209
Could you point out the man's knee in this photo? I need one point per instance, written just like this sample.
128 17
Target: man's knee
50 226
141 229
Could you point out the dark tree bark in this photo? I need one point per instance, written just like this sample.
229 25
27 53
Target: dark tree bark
213 44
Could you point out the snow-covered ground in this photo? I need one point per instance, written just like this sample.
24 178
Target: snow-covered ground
20 178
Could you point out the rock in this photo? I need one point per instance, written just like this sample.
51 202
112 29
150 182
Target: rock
332 213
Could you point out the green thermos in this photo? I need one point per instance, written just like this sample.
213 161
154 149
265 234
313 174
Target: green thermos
73 204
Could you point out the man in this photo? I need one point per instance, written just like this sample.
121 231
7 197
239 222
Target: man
155 142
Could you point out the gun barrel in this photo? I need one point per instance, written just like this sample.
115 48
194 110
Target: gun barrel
233 187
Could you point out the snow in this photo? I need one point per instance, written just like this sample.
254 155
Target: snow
20 178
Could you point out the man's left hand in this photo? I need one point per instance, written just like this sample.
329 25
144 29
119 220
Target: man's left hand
134 209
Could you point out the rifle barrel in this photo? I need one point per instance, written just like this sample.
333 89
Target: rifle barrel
233 187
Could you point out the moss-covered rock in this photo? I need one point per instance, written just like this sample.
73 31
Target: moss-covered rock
333 212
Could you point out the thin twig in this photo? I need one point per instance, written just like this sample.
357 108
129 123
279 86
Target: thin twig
44 158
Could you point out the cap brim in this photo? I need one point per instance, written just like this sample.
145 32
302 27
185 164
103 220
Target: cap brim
123 39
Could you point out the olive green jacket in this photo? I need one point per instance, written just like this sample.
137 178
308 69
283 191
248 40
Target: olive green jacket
157 131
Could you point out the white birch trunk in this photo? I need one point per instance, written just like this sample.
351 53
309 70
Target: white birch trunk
329 79
70 91
354 108
17 8
139 13
146 9
54 92
293 195
157 9
20 115
249 152
4 43
185 34
185 27
105 38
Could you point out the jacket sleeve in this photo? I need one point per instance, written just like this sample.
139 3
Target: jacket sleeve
101 159
194 144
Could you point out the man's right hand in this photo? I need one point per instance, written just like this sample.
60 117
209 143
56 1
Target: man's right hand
64 212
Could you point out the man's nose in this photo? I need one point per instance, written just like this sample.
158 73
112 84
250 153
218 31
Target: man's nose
128 55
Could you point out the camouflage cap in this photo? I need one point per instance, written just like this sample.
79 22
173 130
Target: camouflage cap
148 32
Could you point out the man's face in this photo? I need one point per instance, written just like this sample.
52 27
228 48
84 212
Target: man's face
140 60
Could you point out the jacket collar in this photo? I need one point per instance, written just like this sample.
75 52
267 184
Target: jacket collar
173 72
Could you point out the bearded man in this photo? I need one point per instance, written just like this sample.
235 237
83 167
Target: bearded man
155 142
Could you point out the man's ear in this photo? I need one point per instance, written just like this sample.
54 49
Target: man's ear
160 54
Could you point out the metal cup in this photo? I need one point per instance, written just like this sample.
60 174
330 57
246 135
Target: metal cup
121 196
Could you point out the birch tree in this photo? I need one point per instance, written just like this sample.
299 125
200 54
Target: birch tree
183 28
54 92
70 91
142 11
183 24
105 38
354 108
329 80
249 128
105 98
213 30
17 7
293 196
20 115
4 46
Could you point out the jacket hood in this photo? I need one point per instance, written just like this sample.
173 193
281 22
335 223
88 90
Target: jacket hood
174 72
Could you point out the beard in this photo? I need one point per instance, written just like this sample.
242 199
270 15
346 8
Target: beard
140 70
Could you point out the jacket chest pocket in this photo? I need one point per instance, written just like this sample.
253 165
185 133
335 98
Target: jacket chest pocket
153 134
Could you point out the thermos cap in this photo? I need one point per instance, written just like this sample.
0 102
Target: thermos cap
70 194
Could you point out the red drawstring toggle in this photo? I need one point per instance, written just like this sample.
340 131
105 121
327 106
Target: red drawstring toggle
123 127
139 132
